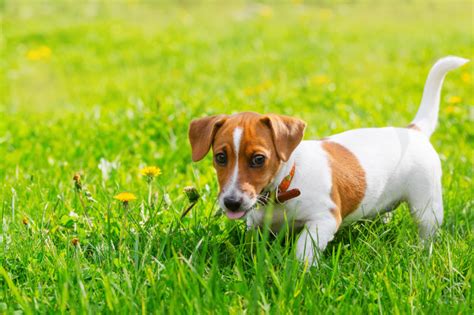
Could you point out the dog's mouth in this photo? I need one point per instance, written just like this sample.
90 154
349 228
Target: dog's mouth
241 213
235 215
262 200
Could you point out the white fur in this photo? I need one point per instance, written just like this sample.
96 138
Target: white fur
400 165
427 115
236 137
232 188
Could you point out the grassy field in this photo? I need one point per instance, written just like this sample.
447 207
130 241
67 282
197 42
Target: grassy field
104 89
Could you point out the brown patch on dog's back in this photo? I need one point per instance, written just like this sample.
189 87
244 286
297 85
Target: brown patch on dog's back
348 179
414 127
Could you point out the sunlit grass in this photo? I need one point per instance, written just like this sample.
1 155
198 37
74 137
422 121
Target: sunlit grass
96 100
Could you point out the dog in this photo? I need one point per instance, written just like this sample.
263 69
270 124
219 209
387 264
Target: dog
321 185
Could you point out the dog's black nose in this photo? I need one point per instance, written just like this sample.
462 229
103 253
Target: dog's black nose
232 203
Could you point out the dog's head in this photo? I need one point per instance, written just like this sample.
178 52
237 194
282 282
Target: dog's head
248 150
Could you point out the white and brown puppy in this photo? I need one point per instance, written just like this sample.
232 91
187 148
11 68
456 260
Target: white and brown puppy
320 185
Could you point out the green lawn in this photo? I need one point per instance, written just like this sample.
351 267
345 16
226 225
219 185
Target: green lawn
119 82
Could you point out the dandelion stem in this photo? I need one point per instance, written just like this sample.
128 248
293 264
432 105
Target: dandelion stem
109 235
149 194
123 228
82 201
185 212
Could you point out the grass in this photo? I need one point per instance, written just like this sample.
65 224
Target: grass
116 85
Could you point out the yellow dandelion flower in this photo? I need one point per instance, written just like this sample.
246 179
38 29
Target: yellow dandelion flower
319 80
40 53
125 197
326 14
454 100
75 241
265 11
150 171
25 221
451 109
262 87
466 77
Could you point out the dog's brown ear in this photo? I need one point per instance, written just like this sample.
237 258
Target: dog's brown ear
287 133
202 132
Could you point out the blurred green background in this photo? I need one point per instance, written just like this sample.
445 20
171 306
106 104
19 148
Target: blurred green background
106 63
115 83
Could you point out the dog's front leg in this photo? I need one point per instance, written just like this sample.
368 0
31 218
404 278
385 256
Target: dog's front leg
314 238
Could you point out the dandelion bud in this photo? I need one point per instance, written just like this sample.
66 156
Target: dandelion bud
77 181
25 221
75 241
192 193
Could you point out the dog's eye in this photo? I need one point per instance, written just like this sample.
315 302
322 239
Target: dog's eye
257 160
221 158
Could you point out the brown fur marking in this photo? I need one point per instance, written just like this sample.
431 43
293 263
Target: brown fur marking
257 138
273 136
414 127
348 180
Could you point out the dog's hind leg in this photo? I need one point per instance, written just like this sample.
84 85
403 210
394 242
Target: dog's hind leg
426 207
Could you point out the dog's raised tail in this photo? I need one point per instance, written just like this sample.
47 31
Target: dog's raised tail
427 116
